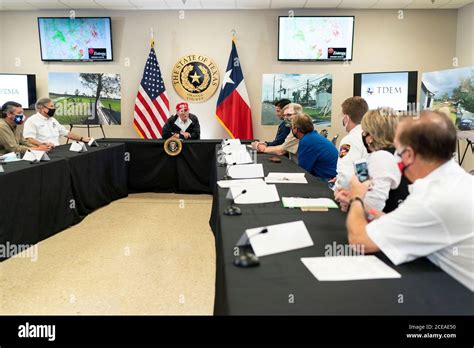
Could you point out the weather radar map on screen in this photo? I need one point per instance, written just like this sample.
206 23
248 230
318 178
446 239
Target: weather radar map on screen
75 39
315 38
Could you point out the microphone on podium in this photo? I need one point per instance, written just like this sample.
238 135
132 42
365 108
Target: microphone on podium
233 210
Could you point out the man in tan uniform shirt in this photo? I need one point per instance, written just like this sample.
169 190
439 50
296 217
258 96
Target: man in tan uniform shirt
291 143
11 139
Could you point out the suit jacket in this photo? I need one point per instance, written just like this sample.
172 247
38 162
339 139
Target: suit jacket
194 129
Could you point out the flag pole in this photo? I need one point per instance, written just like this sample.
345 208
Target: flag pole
233 32
152 38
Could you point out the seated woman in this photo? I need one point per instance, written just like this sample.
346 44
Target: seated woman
389 187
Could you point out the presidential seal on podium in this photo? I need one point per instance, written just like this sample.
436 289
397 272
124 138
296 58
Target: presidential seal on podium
173 146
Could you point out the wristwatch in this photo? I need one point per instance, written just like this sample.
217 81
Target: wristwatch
356 199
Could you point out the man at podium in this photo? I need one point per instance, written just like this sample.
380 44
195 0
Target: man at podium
182 125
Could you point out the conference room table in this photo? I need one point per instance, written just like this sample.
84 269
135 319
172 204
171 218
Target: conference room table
282 285
36 200
40 199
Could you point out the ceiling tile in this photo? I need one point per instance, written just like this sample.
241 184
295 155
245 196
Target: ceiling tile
16 5
392 4
46 5
253 4
427 4
116 4
457 4
187 5
218 4
83 4
150 4
357 3
322 3
289 4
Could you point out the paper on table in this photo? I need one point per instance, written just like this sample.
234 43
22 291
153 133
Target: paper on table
338 268
246 171
9 157
241 157
233 148
35 155
297 202
241 182
227 142
286 178
279 238
255 194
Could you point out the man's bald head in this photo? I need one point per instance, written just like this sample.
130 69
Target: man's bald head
432 136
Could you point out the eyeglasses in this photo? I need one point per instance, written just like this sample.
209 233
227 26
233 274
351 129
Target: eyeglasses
288 115
400 154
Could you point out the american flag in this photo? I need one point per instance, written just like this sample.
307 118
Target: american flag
152 107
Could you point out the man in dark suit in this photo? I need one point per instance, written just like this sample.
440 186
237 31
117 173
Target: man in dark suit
183 125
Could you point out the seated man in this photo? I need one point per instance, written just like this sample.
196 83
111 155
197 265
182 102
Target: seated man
316 154
436 219
43 129
283 129
183 125
351 147
11 139
290 145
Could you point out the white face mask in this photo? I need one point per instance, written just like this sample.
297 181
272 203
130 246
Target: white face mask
343 123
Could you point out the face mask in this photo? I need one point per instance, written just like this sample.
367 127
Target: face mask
50 112
19 119
365 143
343 123
401 166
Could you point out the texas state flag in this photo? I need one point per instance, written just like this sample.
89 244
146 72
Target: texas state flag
233 106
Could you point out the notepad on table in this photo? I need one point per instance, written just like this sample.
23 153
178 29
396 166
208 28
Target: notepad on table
279 238
246 171
254 194
298 202
239 182
286 178
340 268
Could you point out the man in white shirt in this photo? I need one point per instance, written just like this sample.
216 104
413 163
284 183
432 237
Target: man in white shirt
43 129
351 147
436 220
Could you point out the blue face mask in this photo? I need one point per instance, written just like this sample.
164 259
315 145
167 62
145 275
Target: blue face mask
19 119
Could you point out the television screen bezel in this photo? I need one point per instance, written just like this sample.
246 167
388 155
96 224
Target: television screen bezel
316 60
77 60
412 85
31 85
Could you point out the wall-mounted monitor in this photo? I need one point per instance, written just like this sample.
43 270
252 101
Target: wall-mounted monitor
79 39
20 88
315 38
392 89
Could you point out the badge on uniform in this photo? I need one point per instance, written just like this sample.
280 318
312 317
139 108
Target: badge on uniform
344 150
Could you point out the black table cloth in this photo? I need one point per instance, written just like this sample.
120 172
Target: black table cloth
98 176
35 202
39 200
283 285
150 169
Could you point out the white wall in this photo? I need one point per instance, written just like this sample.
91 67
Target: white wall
424 40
